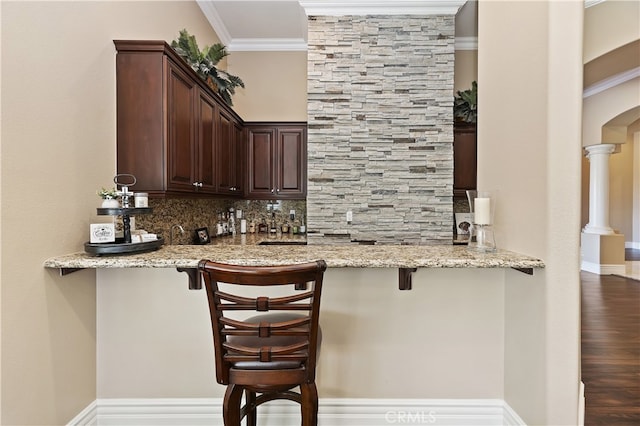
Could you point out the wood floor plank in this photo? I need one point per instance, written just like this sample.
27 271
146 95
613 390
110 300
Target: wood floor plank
611 348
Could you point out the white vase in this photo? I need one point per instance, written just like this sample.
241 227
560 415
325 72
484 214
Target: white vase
110 203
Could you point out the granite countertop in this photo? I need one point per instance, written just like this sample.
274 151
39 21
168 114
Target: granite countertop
244 250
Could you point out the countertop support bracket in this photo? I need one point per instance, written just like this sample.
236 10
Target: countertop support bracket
404 278
194 277
528 271
67 271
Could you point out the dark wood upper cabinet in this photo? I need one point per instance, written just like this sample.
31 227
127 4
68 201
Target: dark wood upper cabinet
230 141
174 133
464 159
207 110
181 92
277 161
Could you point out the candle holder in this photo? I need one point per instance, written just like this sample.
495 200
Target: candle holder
482 207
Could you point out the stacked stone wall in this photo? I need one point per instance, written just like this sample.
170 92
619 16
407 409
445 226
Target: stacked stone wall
380 138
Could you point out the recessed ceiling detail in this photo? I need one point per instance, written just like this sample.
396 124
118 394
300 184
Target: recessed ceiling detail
281 25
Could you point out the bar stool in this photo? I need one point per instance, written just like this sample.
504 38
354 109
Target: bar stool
268 355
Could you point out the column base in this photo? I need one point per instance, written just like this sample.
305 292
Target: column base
600 230
602 254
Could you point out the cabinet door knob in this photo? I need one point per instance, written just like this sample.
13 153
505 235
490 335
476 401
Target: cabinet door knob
195 184
272 191
199 184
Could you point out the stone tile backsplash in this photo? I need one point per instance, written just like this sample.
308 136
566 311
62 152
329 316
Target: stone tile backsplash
197 213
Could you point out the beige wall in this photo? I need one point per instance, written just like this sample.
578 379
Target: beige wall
447 331
465 70
275 85
609 25
58 148
533 159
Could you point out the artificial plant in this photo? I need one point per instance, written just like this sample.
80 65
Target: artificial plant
204 62
465 104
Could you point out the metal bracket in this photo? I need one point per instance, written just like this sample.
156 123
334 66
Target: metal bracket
528 271
67 271
194 277
404 278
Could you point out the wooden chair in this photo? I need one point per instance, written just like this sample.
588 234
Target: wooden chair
268 355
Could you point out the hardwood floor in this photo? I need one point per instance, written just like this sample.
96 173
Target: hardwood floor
611 348
632 254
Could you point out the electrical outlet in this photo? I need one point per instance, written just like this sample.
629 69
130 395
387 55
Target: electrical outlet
349 216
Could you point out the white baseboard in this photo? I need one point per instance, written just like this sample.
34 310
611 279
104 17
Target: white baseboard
632 245
600 269
581 405
332 412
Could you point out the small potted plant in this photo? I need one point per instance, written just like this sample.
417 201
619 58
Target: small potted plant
109 197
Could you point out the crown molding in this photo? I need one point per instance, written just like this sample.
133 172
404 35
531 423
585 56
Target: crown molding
610 82
216 22
363 7
466 43
589 3
267 44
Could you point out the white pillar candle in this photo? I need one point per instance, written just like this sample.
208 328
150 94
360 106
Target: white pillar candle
483 211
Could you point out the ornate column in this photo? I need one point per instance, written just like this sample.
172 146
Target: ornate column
598 156
602 248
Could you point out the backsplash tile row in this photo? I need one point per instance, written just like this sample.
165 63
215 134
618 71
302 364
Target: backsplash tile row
197 213
380 133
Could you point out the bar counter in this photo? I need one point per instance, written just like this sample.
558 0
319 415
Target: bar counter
448 312
247 250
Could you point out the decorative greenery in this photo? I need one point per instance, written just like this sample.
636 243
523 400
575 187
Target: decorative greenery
108 194
465 104
204 64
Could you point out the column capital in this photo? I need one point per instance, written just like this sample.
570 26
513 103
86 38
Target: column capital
603 148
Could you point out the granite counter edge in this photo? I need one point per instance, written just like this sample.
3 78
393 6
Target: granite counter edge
433 257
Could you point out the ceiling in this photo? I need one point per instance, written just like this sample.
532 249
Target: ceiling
254 25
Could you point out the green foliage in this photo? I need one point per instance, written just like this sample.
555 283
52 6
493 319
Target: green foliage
204 64
107 193
465 104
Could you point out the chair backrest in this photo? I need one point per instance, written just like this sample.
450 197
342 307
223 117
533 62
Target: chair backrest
230 300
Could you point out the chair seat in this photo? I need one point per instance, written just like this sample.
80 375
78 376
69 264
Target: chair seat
258 342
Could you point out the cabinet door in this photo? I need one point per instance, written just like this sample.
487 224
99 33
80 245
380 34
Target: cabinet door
239 148
206 171
464 159
226 153
291 163
261 143
180 130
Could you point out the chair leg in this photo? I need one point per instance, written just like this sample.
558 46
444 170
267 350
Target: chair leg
309 404
231 405
250 399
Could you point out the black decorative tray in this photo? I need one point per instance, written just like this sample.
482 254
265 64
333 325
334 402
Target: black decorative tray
122 247
120 211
